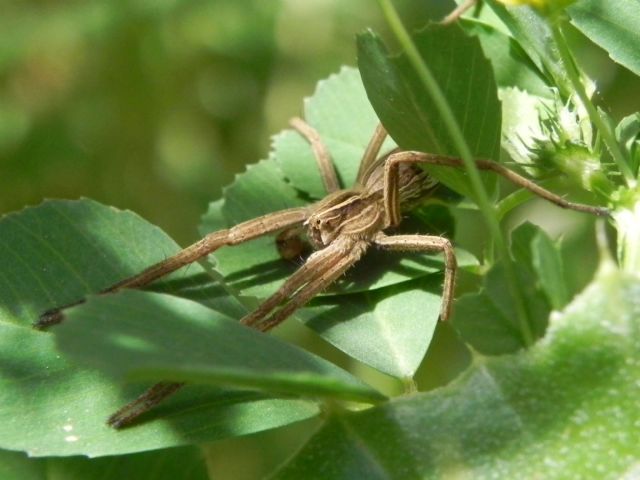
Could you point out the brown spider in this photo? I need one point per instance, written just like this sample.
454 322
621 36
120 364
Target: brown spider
340 227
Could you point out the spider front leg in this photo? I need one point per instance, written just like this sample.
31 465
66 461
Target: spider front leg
427 244
391 187
240 233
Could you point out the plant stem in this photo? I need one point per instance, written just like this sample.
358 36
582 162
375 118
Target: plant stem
603 127
431 86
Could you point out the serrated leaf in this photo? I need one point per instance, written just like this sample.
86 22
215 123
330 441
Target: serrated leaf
567 408
150 336
57 253
254 268
184 463
407 110
341 113
614 25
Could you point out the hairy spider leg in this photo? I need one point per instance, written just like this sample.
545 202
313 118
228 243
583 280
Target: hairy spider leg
321 269
427 244
391 187
233 236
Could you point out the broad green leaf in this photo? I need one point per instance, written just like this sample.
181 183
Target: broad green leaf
488 320
614 25
407 110
184 463
341 113
511 65
151 336
50 407
567 408
60 251
388 329
57 253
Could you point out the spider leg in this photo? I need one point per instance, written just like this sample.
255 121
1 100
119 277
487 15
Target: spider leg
323 158
391 188
240 233
143 403
458 12
320 270
371 154
319 281
319 264
427 243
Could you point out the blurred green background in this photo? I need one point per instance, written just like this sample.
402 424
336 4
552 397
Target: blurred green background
154 105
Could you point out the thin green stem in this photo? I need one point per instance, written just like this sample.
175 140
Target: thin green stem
603 127
431 86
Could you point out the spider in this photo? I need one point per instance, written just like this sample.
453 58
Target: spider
341 227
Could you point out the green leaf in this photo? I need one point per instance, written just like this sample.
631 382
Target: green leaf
533 34
548 266
628 135
50 407
488 320
388 329
511 65
407 111
57 253
614 25
260 190
184 463
567 408
150 336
